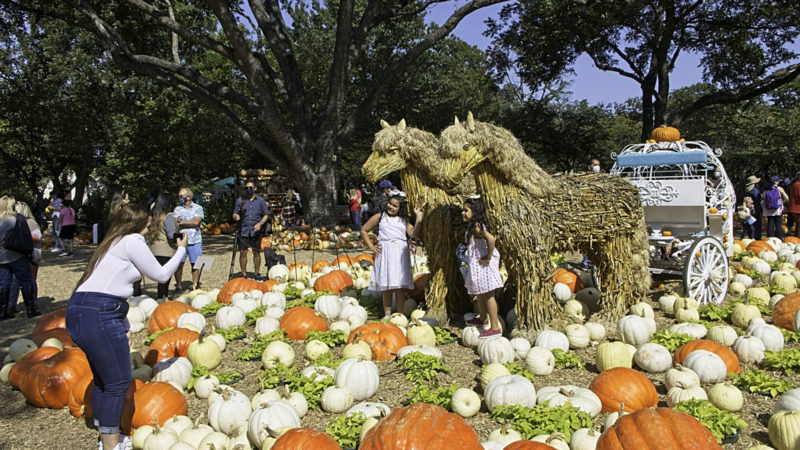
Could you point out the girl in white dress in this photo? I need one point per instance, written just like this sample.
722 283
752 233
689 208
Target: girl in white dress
483 276
391 273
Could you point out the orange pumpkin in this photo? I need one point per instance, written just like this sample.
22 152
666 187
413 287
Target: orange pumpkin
623 385
420 283
657 428
49 321
791 240
571 279
267 285
785 310
58 333
239 284
727 355
335 281
304 439
23 366
319 265
343 260
421 425
385 339
266 242
299 320
48 382
77 395
759 246
365 257
297 264
166 315
156 401
739 243
171 343
303 236
665 133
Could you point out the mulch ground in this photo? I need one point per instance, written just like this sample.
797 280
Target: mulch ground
23 426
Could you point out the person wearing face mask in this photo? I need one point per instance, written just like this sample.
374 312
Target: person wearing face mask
714 177
189 216
252 213
594 166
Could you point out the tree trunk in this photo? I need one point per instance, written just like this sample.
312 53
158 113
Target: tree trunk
318 193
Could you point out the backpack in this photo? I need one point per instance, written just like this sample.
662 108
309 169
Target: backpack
19 238
772 199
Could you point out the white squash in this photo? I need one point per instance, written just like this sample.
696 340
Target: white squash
784 430
667 303
265 396
614 354
510 390
205 384
275 415
708 366
681 392
633 330
491 371
552 339
584 439
203 352
496 349
230 316
642 309
770 335
316 348
336 399
521 347
505 434
178 424
465 402
726 396
652 357
749 349
160 438
329 306
360 376
229 411
597 331
695 330
581 398
469 336
277 299
722 334
177 369
540 361
357 349
577 335
562 292
681 374
277 352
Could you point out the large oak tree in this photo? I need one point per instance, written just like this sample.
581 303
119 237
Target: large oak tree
744 46
300 119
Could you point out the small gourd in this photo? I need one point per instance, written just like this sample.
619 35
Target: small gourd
465 402
726 396
681 392
540 361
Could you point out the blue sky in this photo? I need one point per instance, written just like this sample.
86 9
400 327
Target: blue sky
589 83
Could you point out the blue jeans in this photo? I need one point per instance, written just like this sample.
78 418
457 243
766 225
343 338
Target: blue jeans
95 321
355 217
20 269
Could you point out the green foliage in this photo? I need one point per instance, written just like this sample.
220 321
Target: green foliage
762 382
721 423
542 419
235 332
211 309
291 377
227 377
292 292
790 336
259 344
346 429
443 335
328 360
741 255
254 315
308 300
153 336
517 369
435 395
670 340
330 337
716 312
420 367
787 360
566 360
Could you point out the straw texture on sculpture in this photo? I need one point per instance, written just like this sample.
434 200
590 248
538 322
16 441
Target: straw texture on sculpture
534 214
414 153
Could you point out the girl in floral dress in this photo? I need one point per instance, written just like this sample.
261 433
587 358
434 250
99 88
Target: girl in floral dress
391 273
483 276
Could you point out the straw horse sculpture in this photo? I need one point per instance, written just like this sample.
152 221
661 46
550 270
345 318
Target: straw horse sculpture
413 152
534 214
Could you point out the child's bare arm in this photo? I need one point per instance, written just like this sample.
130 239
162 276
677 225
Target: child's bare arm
414 231
369 225
490 241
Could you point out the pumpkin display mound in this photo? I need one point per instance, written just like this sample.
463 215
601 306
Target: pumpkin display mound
657 428
421 425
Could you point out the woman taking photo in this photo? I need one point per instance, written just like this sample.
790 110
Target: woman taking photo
162 228
95 316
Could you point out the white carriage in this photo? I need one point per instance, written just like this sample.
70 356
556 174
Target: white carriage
689 213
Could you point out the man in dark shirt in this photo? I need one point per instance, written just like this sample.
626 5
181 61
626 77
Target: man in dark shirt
253 212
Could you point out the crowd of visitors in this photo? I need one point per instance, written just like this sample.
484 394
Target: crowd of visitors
771 198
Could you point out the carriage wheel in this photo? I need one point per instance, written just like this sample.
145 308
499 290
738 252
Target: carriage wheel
705 273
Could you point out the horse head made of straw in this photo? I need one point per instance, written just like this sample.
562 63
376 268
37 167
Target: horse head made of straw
388 152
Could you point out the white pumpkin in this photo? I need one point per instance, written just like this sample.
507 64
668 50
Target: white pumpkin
633 330
177 369
192 320
318 373
315 348
788 401
349 310
491 371
274 312
505 434
784 430
667 303
770 335
469 336
654 358
329 306
642 309
614 354
708 366
5 371
277 352
274 415
265 396
360 376
203 352
745 280
230 316
160 438
205 384
496 349
562 292
722 334
695 330
136 315
424 349
581 398
510 390
279 273
148 305
681 392
369 409
584 439
687 314
726 396
552 339
577 335
465 402
21 347
520 346
247 304
749 349
277 299
576 309
681 374
201 300
540 361
229 411
267 325
420 333
597 331
399 319
141 433
357 349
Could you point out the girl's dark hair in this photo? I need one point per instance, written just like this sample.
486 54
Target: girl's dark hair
162 206
403 210
478 214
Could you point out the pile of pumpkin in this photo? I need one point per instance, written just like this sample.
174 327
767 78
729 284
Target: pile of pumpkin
699 369
216 229
320 238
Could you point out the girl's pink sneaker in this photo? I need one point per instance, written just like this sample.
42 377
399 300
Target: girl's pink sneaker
476 321
489 333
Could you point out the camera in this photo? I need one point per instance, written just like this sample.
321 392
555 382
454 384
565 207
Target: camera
175 237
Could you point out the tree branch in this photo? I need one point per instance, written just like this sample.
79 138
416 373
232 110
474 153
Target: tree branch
175 56
609 68
729 96
402 64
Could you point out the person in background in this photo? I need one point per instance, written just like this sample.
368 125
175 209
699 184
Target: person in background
746 218
751 190
163 227
96 314
13 263
253 212
299 211
34 259
794 204
378 203
67 234
354 204
594 166
772 202
55 213
189 216
288 210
